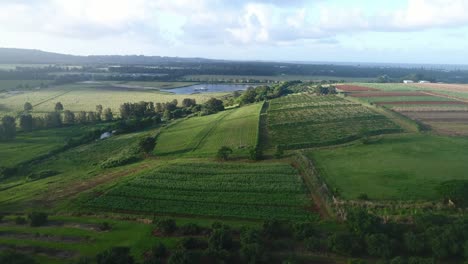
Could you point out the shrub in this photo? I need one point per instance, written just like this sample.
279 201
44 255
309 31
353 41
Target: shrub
190 229
192 243
398 260
180 257
312 244
274 228
255 153
418 260
166 226
220 238
223 153
104 226
115 255
304 230
363 196
356 261
119 160
19 220
279 151
37 218
42 174
12 257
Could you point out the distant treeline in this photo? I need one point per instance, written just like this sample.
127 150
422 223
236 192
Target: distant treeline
173 70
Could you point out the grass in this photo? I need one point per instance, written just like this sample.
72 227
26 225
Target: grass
383 99
203 136
13 84
302 121
397 167
235 190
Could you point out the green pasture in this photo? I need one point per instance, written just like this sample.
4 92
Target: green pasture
396 167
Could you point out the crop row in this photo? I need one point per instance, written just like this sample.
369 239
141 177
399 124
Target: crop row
291 187
277 199
121 203
321 115
243 178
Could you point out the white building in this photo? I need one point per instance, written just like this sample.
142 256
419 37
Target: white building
424 81
408 81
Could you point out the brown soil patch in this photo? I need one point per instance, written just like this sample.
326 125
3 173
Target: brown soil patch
384 94
75 188
421 103
355 88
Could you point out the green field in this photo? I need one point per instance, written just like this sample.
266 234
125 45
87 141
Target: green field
238 190
78 169
397 167
85 97
27 146
203 136
15 84
383 99
301 121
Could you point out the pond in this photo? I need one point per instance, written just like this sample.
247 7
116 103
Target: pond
209 88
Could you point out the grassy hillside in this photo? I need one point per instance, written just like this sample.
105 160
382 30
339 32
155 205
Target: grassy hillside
203 136
403 167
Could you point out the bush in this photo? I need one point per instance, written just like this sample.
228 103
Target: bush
115 255
304 230
363 196
279 151
192 243
398 260
356 261
12 257
223 153
190 229
6 172
42 174
180 257
255 153
19 220
220 239
274 228
104 226
418 260
119 160
166 226
312 244
37 218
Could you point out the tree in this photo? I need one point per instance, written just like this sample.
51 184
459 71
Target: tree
223 153
167 115
108 116
99 111
26 123
361 222
37 219
115 255
414 244
378 245
159 108
279 151
28 107
255 153
81 117
92 117
220 238
166 226
58 107
68 117
53 119
188 102
212 106
147 144
8 127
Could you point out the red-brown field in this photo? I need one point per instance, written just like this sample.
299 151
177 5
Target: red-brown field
446 123
385 94
355 88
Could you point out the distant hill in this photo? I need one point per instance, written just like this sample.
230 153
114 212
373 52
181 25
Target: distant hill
28 56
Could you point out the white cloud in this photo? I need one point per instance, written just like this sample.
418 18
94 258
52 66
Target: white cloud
264 22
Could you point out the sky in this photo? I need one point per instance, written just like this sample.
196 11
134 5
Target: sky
398 31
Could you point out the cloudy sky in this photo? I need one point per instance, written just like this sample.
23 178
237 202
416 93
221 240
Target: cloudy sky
409 31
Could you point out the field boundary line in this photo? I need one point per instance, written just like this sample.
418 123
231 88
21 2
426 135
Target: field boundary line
207 131
401 120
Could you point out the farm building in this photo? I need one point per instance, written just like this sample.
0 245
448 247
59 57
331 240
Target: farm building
408 81
105 135
422 81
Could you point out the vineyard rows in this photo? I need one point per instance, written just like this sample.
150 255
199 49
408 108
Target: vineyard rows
242 190
322 120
